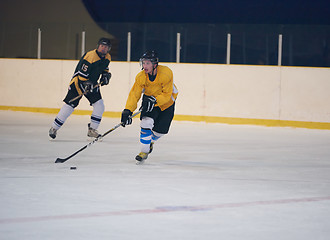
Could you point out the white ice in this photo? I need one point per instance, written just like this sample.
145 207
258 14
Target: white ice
202 181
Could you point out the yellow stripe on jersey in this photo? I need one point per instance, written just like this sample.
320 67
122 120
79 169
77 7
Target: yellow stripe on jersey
92 57
90 67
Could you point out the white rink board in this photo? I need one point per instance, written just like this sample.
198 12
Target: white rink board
234 91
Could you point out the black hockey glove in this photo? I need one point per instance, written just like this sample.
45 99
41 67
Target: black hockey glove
126 117
148 103
105 79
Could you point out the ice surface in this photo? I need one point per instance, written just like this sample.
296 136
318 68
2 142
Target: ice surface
202 181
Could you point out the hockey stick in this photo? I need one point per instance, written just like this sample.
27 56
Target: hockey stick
62 160
88 91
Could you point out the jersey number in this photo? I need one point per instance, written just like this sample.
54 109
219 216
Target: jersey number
84 67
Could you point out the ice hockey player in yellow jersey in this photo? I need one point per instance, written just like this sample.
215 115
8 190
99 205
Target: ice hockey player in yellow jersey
156 84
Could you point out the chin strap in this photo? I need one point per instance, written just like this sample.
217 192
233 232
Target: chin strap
154 68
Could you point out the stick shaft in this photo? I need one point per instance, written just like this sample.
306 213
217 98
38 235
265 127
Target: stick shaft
62 160
88 91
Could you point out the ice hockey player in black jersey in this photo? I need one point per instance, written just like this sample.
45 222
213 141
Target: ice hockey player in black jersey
91 72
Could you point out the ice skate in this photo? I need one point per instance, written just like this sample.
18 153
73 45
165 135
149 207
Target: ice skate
52 133
151 147
93 133
141 157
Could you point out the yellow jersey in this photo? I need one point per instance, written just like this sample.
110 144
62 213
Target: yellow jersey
162 88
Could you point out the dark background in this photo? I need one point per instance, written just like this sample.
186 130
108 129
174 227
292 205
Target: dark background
211 11
254 27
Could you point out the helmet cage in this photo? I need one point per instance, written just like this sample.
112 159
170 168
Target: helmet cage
104 41
151 56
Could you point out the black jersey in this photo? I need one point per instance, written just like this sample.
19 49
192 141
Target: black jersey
91 66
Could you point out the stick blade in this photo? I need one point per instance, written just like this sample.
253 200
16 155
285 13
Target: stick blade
60 160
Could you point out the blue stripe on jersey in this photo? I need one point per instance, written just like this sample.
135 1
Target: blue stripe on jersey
145 136
154 137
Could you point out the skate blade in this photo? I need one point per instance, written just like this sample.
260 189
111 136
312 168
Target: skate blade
91 139
139 162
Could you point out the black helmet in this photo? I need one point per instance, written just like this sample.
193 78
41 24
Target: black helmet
150 55
104 41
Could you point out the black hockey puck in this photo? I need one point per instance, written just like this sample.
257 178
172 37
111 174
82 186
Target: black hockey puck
73 168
